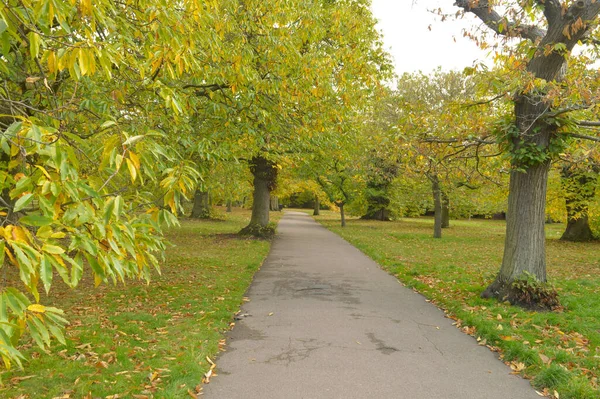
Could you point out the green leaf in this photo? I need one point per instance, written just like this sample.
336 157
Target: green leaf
16 301
46 273
57 333
132 140
76 270
23 202
36 220
52 249
109 210
2 245
34 44
3 26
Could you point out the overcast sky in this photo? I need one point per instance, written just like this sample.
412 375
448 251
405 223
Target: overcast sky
405 27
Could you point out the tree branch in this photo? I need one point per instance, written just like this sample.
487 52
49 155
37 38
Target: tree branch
582 136
484 11
588 123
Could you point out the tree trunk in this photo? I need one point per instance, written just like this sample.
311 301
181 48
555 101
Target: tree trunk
229 206
342 214
201 208
265 176
578 230
525 242
274 203
316 212
381 214
445 210
437 206
580 189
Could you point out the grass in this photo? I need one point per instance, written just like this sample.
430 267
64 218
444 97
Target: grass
559 351
148 341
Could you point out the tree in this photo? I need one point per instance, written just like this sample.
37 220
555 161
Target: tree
290 70
532 136
382 165
579 184
85 149
443 129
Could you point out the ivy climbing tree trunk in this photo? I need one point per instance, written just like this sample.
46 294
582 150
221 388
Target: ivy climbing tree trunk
445 210
201 207
265 177
317 209
580 189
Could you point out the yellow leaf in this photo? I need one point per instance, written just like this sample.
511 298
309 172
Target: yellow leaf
37 308
134 158
52 249
52 64
132 169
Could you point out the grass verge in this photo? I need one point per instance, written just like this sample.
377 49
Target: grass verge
148 341
559 351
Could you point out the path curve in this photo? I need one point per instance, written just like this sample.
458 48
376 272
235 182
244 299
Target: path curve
324 321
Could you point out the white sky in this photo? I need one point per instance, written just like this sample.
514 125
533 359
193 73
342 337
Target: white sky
414 47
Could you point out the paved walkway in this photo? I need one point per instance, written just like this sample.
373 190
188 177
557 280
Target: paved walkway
324 321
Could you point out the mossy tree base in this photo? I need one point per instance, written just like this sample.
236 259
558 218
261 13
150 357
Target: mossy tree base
526 293
259 231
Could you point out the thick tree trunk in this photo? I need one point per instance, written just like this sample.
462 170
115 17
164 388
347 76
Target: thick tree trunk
201 208
580 189
525 242
342 214
317 209
265 176
437 206
578 230
445 210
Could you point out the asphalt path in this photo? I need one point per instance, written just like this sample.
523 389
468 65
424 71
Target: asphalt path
324 321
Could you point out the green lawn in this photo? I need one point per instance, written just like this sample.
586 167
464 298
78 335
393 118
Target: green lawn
148 341
560 351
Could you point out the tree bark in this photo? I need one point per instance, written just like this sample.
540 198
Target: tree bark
229 206
265 176
580 189
525 242
274 203
342 214
437 206
317 209
201 208
445 210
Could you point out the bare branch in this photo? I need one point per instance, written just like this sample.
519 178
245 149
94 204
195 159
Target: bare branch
588 123
582 136
484 102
